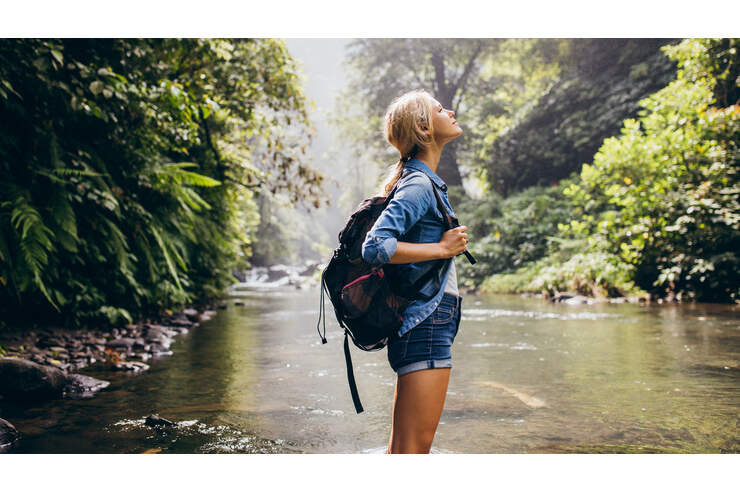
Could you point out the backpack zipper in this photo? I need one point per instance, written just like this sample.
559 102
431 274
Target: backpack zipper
366 276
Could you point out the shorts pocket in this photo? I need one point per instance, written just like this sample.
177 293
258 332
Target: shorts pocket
443 315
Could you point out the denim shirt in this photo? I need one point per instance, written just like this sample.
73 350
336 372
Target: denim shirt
411 216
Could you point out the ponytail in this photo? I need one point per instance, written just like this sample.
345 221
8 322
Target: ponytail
393 177
397 171
407 126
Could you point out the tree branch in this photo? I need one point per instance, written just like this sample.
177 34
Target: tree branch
460 83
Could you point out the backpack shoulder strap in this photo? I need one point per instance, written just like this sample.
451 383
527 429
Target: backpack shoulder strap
446 218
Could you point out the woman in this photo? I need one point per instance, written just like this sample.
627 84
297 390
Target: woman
410 232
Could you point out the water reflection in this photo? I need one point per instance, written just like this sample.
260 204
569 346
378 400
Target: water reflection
528 376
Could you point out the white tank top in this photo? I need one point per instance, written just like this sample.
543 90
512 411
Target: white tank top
451 286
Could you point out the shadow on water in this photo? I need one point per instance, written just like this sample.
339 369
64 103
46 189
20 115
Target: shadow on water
528 377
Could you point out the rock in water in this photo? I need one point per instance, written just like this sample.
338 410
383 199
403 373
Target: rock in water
155 420
8 436
21 379
81 386
122 343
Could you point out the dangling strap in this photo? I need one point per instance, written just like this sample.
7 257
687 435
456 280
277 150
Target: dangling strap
351 376
450 222
322 310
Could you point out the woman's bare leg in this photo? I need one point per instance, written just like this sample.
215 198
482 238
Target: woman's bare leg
417 407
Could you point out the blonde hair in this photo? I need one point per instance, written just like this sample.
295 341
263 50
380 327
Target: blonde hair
407 127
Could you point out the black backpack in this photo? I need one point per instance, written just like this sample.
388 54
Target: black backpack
367 304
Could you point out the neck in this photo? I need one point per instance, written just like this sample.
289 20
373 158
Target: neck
430 156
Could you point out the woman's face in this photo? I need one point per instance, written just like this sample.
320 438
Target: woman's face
444 123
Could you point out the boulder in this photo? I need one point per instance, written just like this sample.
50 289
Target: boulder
577 300
132 366
123 343
561 297
309 268
191 313
82 386
21 379
8 436
181 321
156 420
47 342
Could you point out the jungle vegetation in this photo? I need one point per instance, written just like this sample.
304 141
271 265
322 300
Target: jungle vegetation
131 170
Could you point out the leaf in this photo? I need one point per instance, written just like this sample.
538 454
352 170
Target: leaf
9 87
41 64
166 254
96 87
57 56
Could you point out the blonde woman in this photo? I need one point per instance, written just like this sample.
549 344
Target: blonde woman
410 232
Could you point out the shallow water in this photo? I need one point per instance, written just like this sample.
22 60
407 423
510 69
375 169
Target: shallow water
529 376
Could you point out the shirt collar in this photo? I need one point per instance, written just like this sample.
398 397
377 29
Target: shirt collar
419 165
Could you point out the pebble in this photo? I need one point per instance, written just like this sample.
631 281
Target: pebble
126 348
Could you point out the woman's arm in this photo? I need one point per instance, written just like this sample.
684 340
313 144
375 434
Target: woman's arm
453 242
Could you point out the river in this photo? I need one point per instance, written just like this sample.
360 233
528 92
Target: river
529 376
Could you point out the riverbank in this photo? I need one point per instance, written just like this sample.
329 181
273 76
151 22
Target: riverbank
40 365
122 348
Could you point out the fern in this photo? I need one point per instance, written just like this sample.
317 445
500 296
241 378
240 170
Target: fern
65 221
57 175
166 254
35 243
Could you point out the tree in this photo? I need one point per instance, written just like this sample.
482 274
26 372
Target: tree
664 195
600 84
385 68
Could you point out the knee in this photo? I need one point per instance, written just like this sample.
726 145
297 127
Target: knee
419 442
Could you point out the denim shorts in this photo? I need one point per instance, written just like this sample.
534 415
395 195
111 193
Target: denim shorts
428 344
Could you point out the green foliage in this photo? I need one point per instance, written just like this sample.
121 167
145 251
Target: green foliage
663 196
597 274
507 233
658 209
590 87
130 169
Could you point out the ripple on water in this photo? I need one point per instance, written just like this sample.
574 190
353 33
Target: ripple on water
313 410
217 438
480 314
519 346
384 448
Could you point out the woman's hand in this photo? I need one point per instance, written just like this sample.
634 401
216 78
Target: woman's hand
454 241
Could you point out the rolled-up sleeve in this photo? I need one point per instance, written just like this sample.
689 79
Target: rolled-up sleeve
411 201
